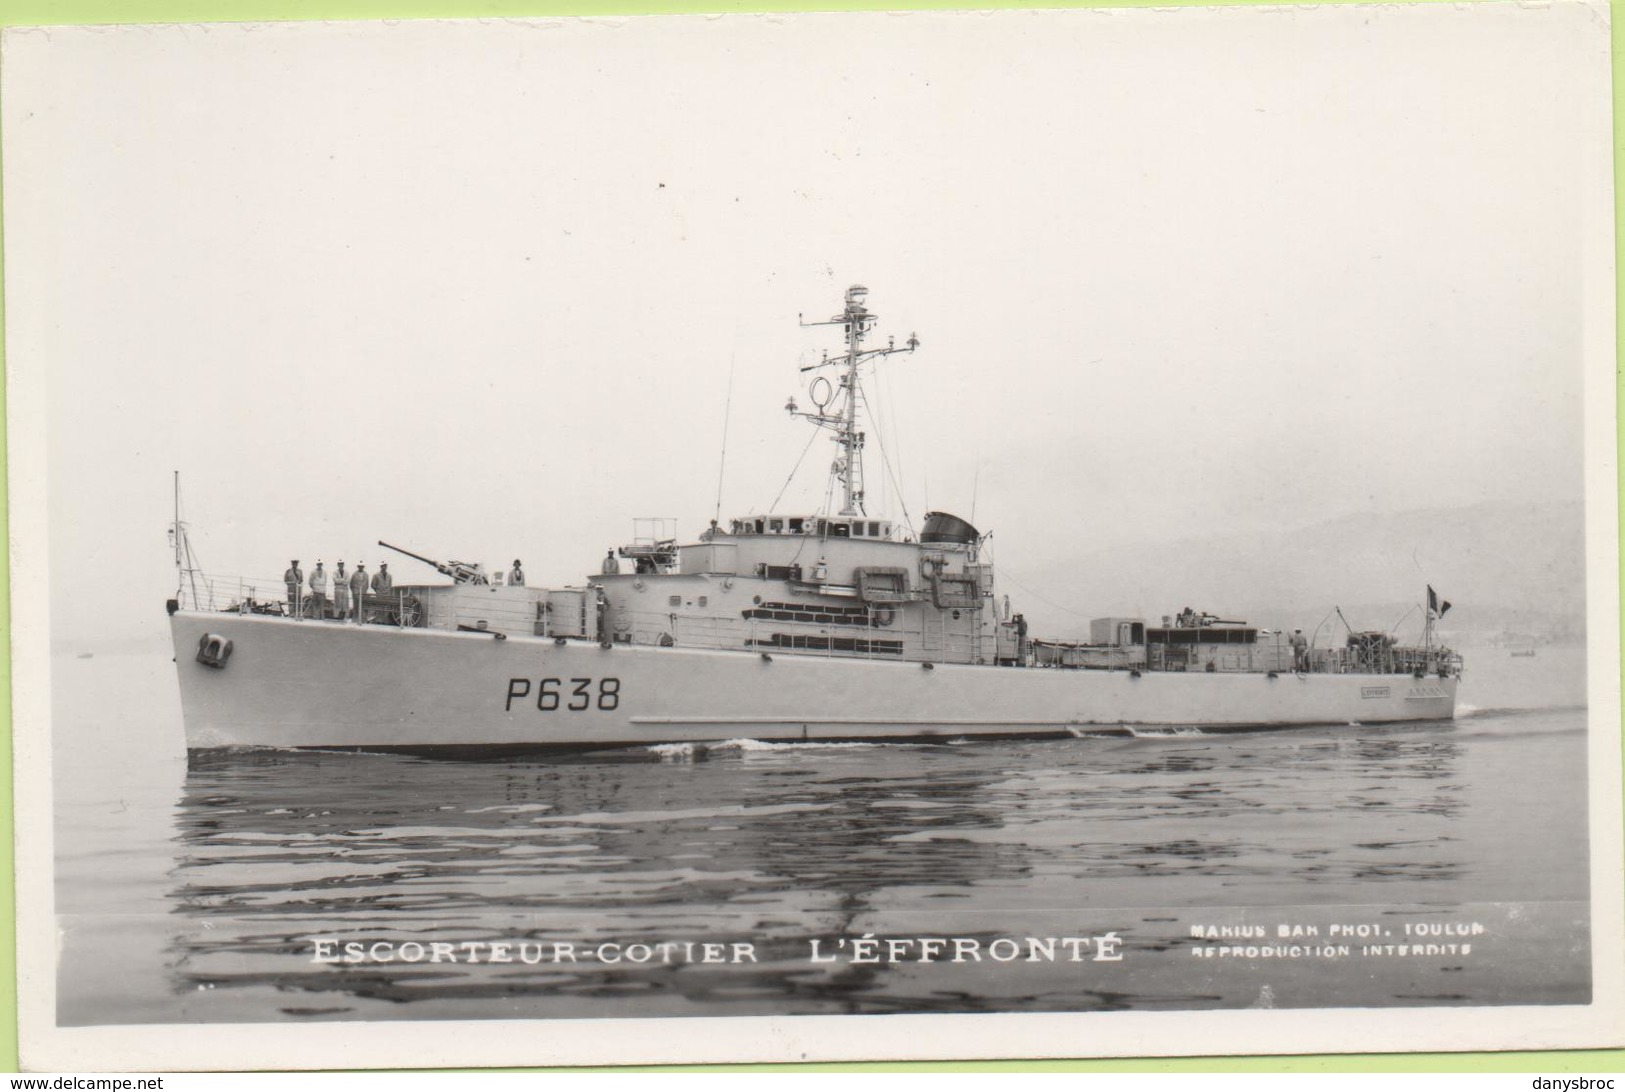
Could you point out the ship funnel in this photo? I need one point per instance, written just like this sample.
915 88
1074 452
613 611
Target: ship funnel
943 527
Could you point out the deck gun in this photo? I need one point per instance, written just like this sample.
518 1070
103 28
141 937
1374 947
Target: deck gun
461 572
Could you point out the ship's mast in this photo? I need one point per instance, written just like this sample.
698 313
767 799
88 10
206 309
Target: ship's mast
185 565
175 536
848 466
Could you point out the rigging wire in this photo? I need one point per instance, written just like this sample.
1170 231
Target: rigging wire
186 563
882 409
1315 637
1395 627
885 459
727 413
1004 574
891 410
774 506
1345 621
879 437
842 463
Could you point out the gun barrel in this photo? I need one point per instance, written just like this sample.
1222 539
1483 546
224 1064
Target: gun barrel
409 553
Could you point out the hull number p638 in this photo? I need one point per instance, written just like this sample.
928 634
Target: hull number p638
575 695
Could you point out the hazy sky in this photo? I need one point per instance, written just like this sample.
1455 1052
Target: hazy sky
482 289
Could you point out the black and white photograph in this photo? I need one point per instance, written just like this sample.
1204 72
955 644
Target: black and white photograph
814 537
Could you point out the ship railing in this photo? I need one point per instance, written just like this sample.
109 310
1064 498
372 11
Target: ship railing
828 642
699 631
1394 660
200 591
1427 661
667 628
450 606
268 595
505 618
675 628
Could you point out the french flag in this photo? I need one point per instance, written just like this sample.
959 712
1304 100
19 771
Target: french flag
1436 606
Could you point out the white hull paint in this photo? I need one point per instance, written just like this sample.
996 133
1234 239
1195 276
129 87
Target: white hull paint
304 684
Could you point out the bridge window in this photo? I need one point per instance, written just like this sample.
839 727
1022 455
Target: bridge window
776 526
795 525
874 529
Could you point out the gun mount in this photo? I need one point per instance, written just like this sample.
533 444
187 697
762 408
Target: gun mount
653 548
655 557
461 572
1191 619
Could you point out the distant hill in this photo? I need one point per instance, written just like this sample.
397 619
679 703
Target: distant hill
1503 566
1514 572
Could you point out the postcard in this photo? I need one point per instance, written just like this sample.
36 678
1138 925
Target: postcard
932 535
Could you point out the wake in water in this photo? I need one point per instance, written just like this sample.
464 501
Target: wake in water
1466 710
692 752
1149 731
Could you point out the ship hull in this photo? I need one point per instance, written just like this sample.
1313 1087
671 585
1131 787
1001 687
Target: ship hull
301 684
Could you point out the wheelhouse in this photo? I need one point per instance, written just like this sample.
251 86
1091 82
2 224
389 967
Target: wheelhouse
817 526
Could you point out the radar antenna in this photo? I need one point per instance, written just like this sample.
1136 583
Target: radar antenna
843 419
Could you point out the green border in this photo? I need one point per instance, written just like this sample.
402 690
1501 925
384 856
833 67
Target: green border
85 12
82 12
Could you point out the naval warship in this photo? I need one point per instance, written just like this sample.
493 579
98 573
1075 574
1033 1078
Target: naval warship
818 626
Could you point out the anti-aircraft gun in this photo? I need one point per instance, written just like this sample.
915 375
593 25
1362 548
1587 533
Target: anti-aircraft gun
461 572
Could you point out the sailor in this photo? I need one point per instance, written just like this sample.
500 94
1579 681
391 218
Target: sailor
601 602
1300 651
318 591
358 592
517 577
341 592
382 583
296 582
611 567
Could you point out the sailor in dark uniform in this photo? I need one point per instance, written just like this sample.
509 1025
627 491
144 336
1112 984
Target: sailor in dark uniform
1300 651
295 579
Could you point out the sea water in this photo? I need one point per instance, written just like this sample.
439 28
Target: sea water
1431 864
